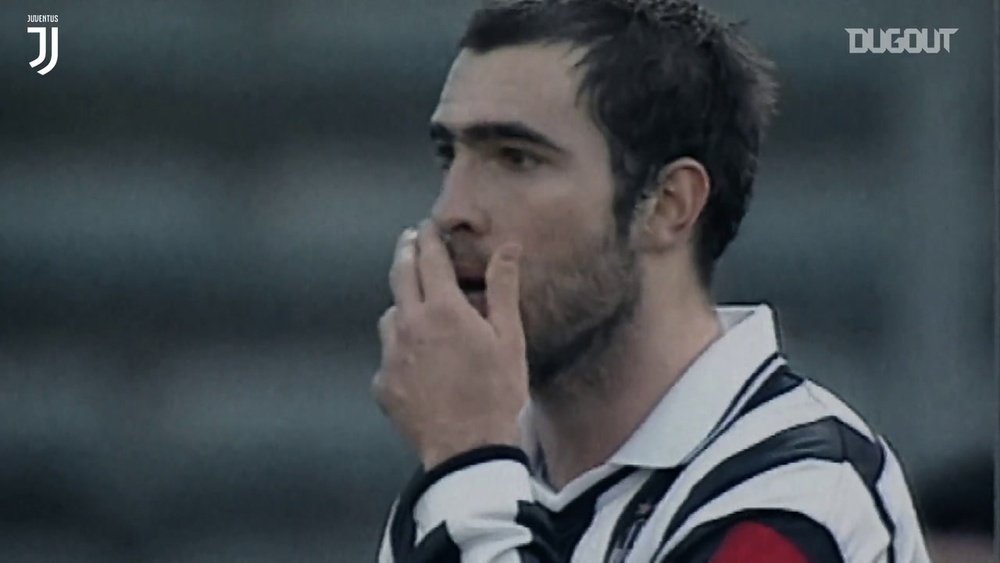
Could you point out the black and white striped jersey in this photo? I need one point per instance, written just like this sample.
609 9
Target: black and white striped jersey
739 438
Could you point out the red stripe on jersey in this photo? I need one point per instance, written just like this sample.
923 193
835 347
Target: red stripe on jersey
751 542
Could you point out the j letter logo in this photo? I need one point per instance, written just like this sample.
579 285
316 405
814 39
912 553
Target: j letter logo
44 35
895 40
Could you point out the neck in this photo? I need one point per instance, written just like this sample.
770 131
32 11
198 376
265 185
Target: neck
607 393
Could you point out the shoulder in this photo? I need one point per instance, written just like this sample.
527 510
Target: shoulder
801 429
792 416
795 448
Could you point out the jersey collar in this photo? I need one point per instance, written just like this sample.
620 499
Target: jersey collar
686 415
697 402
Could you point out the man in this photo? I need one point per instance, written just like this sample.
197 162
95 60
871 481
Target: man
554 354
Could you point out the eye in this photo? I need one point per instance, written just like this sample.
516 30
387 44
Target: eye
519 159
444 154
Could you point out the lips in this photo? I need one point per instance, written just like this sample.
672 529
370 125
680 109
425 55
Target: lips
472 282
470 278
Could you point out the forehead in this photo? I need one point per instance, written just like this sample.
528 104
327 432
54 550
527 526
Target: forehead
533 84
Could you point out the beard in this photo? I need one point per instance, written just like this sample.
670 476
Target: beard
572 307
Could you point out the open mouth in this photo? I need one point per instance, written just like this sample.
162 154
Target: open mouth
472 285
474 289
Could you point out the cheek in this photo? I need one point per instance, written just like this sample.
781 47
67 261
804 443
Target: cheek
570 240
564 260
566 218
560 296
557 215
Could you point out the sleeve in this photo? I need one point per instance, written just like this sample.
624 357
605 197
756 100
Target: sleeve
772 537
477 507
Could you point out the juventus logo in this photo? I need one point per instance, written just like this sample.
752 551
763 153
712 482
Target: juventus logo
43 49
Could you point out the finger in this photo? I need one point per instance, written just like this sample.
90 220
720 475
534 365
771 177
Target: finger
386 326
386 330
403 277
503 291
437 273
387 334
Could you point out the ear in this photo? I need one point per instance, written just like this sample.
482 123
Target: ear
668 216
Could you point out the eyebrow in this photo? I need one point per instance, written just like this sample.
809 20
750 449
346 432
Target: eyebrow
492 131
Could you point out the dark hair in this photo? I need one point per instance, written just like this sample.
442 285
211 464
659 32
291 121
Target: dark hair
665 79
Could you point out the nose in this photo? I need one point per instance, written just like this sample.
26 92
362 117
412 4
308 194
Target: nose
459 207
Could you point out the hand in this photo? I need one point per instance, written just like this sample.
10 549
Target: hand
451 380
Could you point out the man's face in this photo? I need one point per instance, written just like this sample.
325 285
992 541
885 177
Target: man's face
523 162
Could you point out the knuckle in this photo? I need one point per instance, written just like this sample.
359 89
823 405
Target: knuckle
441 312
387 317
405 326
394 272
384 391
382 404
378 386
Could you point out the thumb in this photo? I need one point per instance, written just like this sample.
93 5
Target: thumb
503 292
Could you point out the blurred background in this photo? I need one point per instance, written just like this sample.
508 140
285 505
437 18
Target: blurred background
198 207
